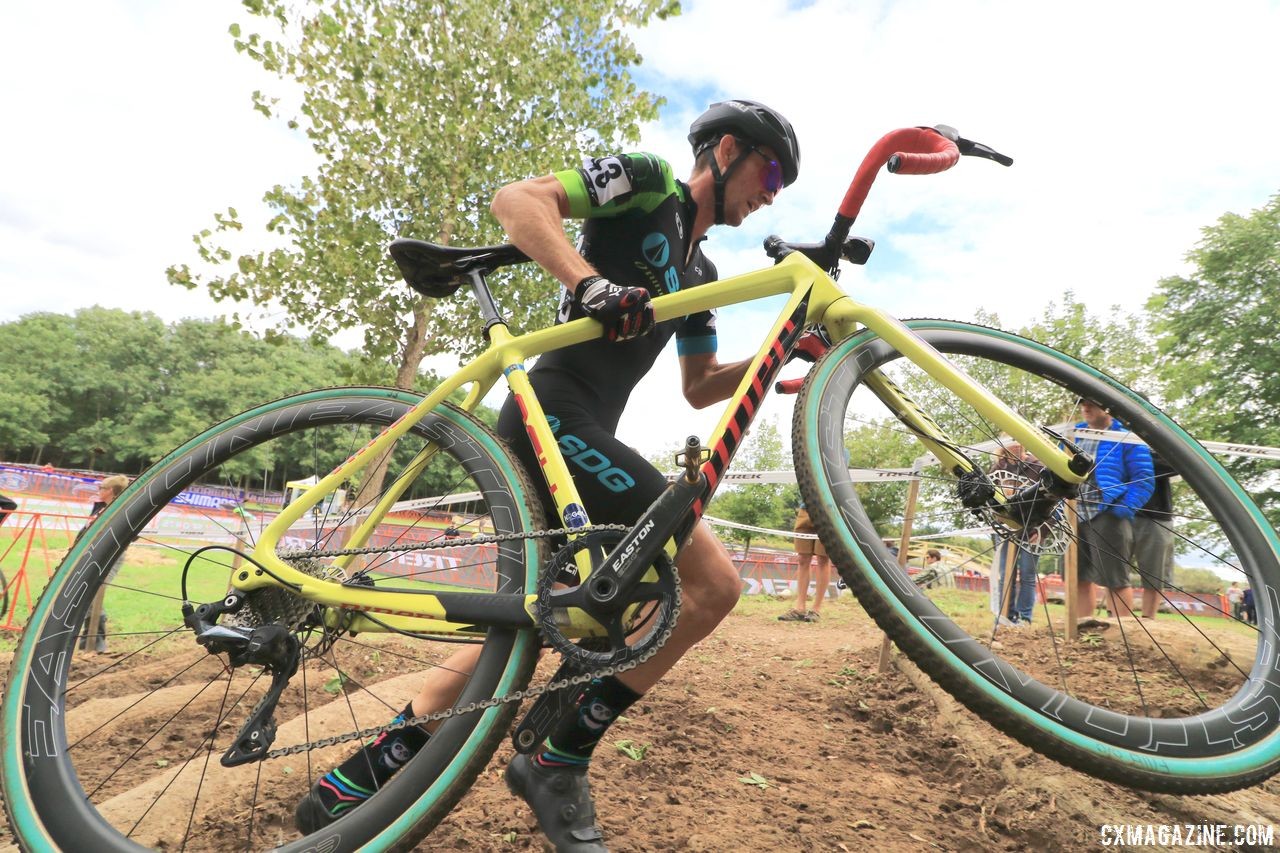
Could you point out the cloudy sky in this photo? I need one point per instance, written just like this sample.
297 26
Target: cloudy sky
1133 125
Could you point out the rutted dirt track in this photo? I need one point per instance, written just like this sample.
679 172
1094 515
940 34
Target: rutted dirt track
851 759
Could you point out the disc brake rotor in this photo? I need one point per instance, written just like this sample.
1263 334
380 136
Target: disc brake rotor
1051 536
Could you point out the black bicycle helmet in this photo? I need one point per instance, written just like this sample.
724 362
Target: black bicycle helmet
754 122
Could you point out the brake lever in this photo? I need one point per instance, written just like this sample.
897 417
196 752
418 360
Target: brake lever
827 254
969 148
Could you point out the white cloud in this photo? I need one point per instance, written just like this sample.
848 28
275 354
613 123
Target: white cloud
136 126
1133 125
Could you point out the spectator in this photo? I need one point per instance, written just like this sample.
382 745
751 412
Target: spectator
1013 469
1235 598
932 572
1122 481
808 551
7 505
108 490
1153 539
1247 606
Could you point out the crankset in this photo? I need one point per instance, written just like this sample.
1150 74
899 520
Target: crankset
634 621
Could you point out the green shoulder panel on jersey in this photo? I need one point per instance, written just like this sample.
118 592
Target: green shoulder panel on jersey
609 186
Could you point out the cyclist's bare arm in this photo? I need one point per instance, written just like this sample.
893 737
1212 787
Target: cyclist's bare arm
532 212
706 381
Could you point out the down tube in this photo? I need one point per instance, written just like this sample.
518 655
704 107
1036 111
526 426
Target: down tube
751 391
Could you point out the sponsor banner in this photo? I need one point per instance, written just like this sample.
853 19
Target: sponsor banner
771 573
48 482
465 565
81 490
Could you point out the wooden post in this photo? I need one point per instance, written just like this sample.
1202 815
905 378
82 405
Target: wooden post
1010 557
908 518
1069 569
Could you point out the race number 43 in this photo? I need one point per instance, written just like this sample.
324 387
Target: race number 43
607 178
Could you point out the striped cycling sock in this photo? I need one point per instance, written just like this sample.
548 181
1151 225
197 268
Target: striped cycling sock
575 736
360 776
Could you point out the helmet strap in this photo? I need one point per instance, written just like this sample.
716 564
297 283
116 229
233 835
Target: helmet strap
722 178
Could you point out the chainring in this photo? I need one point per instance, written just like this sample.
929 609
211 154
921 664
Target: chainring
660 590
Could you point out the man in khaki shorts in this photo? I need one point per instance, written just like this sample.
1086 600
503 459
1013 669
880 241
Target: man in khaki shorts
806 551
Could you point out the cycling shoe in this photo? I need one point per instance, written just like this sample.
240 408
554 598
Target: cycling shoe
561 801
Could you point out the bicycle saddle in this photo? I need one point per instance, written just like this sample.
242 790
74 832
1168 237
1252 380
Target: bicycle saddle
438 271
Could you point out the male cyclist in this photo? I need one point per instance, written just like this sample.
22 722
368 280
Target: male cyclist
641 237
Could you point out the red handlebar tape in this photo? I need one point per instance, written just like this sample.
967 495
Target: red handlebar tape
915 150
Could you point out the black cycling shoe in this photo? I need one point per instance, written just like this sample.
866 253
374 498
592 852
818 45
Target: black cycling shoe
311 815
561 801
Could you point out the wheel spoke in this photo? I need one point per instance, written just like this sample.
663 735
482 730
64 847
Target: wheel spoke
1150 672
154 709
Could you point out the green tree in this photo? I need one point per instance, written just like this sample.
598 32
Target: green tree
113 390
1190 579
1217 336
882 443
418 112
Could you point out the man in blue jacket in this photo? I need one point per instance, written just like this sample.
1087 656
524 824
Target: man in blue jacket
1121 482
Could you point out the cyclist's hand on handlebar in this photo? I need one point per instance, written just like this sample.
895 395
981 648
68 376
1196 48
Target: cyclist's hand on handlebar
624 312
812 344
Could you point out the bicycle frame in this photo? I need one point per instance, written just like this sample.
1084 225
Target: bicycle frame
814 297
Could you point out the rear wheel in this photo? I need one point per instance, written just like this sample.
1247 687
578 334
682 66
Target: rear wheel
1184 702
121 750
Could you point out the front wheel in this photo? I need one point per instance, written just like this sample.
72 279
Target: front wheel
119 750
1187 701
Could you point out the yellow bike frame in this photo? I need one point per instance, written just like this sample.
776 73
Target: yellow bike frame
796 275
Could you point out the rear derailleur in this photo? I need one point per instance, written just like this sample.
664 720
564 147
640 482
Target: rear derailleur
273 647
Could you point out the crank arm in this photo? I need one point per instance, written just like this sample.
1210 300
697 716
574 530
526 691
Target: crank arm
547 710
604 591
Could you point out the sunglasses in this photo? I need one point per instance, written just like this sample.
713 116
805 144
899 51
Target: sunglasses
772 174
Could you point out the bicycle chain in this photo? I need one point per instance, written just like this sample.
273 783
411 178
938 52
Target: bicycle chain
453 543
495 701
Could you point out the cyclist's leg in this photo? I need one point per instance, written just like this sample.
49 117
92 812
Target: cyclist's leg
554 780
711 587
1026 593
710 584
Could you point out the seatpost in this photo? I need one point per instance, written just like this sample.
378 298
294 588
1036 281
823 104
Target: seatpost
488 308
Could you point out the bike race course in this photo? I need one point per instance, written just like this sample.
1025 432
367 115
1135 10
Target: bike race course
845 758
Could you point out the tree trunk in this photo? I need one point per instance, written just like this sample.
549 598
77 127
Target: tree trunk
415 348
412 354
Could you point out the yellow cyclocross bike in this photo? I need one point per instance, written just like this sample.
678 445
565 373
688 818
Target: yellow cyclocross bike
259 642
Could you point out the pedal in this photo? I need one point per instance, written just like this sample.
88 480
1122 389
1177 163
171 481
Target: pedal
546 711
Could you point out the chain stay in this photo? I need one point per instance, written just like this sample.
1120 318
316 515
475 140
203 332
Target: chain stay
493 702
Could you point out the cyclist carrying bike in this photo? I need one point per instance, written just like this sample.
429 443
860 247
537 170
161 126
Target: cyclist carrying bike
641 237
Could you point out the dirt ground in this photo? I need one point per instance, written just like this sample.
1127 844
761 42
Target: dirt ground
784 736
